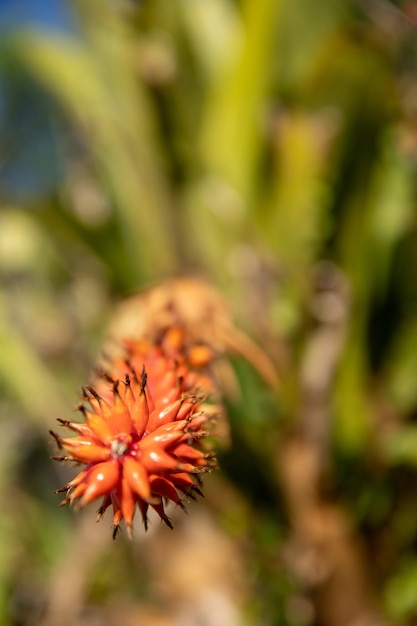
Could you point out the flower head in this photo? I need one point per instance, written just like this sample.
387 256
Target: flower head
141 438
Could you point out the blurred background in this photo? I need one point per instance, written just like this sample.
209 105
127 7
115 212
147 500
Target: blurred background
270 147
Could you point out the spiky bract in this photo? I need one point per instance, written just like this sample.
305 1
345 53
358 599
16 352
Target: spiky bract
141 438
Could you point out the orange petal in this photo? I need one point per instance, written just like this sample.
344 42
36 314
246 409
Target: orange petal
161 438
169 397
78 492
164 487
101 479
184 451
150 400
85 450
98 403
178 425
127 500
168 414
79 428
120 422
128 396
196 421
156 461
187 408
139 413
185 483
78 478
99 426
137 477
167 385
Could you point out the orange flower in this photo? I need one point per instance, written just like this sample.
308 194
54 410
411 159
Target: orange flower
140 440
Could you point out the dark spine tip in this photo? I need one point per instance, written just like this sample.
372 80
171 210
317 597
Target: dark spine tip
167 521
183 507
116 387
93 392
197 490
81 408
143 380
63 489
57 438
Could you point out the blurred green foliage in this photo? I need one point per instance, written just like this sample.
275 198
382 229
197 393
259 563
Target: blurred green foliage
272 147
